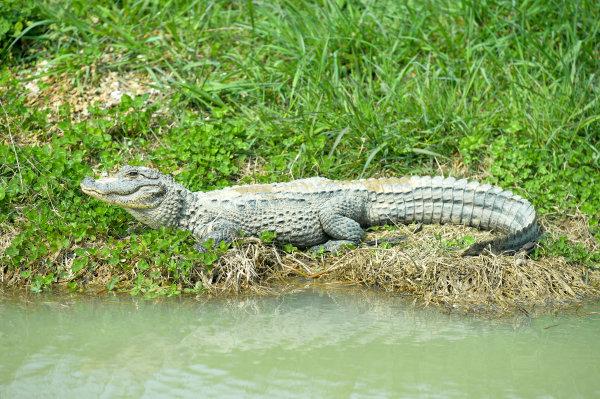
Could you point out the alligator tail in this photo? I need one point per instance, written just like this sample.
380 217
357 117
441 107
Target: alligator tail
424 199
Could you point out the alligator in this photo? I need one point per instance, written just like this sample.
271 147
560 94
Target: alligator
317 212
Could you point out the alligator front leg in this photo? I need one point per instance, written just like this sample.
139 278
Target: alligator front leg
216 231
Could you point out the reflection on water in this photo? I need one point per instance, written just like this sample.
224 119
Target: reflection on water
350 343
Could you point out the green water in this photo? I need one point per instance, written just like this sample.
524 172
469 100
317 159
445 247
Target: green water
313 343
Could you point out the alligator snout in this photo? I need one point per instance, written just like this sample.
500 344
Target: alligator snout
90 187
87 184
111 185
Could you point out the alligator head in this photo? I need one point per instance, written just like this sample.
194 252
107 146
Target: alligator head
151 197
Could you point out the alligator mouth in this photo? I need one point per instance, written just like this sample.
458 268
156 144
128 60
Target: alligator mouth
97 192
91 191
127 194
92 187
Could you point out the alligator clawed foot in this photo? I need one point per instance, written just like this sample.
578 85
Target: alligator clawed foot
418 228
200 247
528 247
332 246
390 241
486 247
477 249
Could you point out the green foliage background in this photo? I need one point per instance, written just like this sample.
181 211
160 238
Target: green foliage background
343 89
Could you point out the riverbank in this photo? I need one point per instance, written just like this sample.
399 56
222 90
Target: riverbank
425 266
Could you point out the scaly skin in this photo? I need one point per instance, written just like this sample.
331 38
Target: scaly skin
318 211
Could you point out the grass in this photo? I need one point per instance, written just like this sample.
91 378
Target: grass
223 92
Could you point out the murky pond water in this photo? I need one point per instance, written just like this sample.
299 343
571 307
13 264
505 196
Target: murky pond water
313 343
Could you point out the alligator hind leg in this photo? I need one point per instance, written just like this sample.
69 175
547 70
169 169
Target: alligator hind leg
340 219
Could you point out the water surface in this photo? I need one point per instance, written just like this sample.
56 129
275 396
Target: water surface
314 343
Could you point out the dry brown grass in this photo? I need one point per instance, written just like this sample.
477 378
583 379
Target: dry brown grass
7 234
575 227
100 87
252 170
249 266
422 266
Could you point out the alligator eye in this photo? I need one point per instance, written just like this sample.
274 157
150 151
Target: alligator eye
132 173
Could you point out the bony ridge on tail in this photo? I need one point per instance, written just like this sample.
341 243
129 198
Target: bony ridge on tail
318 211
